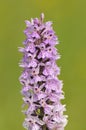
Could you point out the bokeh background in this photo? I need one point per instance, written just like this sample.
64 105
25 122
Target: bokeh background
69 22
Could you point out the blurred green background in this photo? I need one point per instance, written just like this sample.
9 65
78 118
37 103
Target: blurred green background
69 22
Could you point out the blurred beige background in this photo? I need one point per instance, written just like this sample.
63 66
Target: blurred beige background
69 22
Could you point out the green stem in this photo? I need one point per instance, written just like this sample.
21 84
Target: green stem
44 127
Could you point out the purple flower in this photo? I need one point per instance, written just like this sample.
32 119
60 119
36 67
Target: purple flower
32 123
28 60
41 88
30 48
52 71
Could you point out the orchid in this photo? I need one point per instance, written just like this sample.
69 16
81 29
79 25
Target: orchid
41 88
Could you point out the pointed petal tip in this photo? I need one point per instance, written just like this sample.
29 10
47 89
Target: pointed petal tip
42 17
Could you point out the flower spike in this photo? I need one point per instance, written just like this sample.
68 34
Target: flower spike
41 87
